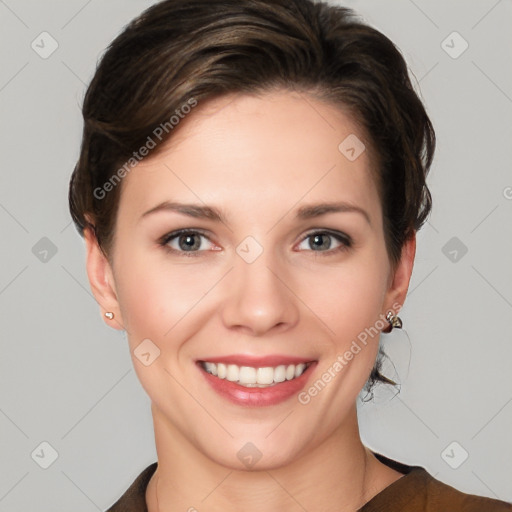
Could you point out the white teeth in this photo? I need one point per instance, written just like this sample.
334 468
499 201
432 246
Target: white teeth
247 375
255 377
280 373
299 369
265 375
232 372
221 370
211 368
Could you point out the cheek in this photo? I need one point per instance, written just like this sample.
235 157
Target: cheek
155 296
349 298
162 301
157 304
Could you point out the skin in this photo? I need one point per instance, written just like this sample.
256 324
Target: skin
257 159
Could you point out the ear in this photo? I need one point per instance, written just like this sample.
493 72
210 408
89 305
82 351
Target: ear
101 280
399 280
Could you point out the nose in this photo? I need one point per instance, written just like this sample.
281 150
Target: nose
259 298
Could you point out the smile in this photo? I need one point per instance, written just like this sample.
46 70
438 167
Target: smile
252 377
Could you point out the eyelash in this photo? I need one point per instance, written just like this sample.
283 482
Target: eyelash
345 240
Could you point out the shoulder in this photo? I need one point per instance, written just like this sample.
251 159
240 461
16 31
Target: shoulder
134 498
441 495
417 490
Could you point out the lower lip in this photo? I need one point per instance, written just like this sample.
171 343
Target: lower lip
257 397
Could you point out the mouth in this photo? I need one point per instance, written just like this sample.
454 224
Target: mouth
256 381
255 377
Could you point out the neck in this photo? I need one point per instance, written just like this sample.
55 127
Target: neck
338 474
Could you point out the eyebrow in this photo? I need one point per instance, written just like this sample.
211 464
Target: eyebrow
211 213
316 210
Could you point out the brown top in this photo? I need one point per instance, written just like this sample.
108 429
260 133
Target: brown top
417 491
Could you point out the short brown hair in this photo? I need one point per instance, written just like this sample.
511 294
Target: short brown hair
178 50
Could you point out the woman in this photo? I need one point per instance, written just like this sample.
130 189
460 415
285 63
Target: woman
250 183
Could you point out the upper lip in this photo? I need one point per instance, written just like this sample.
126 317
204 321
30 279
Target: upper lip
257 361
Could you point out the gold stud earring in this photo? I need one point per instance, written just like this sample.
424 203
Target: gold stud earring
109 315
393 320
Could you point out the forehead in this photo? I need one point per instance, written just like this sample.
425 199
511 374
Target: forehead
277 149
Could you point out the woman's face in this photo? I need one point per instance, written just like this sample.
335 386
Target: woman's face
278 281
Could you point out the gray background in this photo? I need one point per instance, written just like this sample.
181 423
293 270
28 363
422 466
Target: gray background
67 380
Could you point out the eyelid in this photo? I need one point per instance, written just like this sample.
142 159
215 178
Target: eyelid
327 231
344 239
172 235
